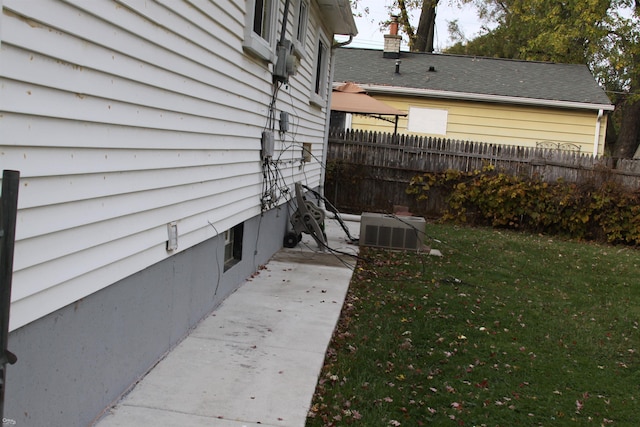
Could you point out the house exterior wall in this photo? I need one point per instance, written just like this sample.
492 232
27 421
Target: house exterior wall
122 117
500 123
75 362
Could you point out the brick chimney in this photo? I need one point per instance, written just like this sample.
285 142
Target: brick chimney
392 40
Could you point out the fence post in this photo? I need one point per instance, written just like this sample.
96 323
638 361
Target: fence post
8 214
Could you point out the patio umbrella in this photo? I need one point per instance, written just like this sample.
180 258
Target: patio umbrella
351 98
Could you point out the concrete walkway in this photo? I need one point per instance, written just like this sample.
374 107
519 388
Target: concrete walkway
255 361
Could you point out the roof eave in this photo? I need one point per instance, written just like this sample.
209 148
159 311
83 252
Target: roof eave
339 15
466 96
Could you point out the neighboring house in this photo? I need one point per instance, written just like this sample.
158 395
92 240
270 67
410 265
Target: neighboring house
480 99
148 191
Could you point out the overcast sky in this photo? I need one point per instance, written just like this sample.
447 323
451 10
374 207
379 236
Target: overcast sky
370 36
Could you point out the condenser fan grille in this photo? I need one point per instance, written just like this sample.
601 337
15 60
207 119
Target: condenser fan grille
389 231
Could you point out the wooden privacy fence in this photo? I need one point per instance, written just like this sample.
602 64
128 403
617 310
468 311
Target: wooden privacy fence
370 171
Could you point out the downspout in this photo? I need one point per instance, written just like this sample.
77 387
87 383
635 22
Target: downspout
325 146
596 141
336 45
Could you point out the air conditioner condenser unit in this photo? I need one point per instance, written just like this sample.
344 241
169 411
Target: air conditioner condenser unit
391 231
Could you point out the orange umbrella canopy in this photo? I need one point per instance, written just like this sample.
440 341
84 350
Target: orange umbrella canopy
351 98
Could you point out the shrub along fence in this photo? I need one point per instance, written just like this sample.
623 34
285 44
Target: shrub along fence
369 171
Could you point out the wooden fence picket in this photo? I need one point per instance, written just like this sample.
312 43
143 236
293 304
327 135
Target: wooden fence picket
387 162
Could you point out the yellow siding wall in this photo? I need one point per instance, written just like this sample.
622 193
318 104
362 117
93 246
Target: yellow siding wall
499 123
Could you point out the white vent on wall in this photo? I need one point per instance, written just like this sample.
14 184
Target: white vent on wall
391 232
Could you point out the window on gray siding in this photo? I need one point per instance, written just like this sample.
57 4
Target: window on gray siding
320 61
320 72
300 30
259 33
262 18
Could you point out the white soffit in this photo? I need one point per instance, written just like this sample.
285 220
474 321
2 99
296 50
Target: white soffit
339 16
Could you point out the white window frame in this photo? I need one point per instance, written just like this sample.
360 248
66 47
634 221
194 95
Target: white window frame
263 46
320 71
431 121
300 28
228 246
233 242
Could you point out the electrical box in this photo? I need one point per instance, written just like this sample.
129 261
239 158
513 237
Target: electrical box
267 144
284 121
392 232
285 61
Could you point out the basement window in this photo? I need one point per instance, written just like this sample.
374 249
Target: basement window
233 246
259 31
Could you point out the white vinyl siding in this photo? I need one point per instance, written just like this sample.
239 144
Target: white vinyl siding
123 117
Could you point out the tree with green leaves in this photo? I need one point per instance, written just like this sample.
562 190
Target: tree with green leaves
617 64
541 30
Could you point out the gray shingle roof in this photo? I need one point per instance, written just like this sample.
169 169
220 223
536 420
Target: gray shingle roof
471 75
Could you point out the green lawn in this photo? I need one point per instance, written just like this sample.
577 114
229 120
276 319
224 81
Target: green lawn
505 329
